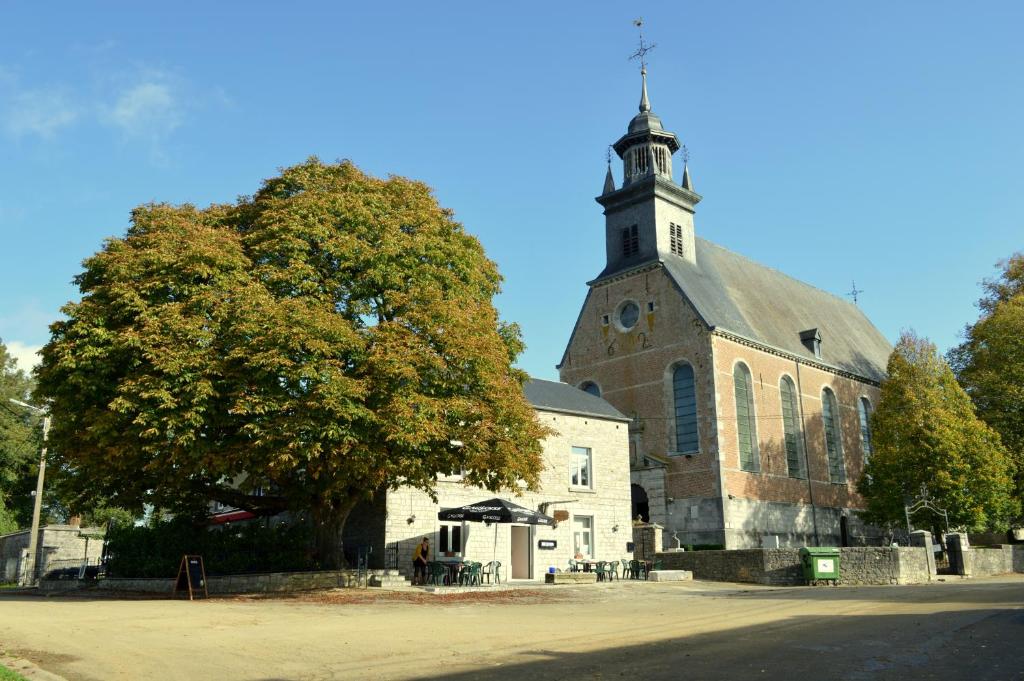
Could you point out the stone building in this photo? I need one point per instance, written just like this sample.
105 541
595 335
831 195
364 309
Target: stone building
585 484
748 390
58 546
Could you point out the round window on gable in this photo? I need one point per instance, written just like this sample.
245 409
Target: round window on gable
628 316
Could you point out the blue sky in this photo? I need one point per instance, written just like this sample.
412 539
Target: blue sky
874 141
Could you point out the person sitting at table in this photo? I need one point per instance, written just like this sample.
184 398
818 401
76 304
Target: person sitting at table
419 562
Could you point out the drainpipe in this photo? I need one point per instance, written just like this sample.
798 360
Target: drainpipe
807 461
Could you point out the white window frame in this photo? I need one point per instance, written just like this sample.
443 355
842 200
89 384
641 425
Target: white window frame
576 455
576 532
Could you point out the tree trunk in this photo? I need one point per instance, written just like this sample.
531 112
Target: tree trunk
328 523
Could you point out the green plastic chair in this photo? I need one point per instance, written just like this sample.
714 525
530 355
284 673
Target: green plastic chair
638 568
471 574
573 565
437 573
626 572
493 568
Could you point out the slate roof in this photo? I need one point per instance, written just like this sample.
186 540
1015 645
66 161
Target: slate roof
554 396
736 294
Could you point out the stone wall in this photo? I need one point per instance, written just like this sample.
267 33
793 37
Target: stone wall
224 584
781 567
55 543
987 562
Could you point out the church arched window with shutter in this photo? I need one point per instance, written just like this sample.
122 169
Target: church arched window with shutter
684 403
791 428
591 387
833 440
864 407
746 429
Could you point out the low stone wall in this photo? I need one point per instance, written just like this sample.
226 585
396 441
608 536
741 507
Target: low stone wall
986 562
221 584
781 567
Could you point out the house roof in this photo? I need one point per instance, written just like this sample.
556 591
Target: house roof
733 293
562 397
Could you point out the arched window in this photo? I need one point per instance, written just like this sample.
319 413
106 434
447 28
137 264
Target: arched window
791 428
684 401
864 407
591 387
745 427
833 443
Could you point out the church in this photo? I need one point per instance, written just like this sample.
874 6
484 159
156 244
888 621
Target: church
748 391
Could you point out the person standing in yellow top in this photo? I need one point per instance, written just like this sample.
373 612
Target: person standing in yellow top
419 562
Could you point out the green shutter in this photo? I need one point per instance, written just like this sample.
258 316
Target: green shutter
829 413
794 461
745 419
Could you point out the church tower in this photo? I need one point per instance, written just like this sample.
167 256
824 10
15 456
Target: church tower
651 216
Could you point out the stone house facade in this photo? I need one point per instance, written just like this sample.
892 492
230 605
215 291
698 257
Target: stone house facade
748 391
586 477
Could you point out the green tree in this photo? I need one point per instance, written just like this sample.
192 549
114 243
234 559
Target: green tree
925 432
329 337
990 361
19 446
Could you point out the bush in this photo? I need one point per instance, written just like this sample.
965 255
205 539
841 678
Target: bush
156 551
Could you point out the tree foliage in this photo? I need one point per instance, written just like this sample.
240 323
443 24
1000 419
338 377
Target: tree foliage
925 432
990 361
330 336
19 445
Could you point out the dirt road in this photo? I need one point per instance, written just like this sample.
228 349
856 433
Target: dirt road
696 630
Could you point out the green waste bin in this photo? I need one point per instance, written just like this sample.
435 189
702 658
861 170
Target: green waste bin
820 562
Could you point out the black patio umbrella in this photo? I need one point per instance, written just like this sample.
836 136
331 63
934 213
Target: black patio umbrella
496 511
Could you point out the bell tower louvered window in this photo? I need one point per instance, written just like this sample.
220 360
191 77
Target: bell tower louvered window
675 235
630 241
791 429
684 398
746 429
833 441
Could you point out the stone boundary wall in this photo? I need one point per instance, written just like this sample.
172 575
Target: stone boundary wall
781 567
221 584
988 562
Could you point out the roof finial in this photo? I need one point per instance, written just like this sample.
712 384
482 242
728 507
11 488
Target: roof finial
854 292
609 179
641 54
687 182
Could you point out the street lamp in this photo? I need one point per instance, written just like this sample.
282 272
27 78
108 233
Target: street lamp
37 507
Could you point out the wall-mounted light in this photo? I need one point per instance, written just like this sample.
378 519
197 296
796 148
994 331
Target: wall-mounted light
411 519
615 527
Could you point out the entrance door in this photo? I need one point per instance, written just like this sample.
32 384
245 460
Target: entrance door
520 552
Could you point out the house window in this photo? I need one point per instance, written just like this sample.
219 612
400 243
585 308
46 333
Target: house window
791 428
684 399
450 540
745 426
591 387
630 241
675 235
864 407
583 535
579 467
830 415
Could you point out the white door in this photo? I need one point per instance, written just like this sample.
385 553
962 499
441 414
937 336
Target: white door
520 552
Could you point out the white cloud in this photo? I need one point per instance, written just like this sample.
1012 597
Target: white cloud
39 112
148 110
27 356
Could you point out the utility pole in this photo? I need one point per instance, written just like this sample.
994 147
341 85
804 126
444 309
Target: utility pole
37 506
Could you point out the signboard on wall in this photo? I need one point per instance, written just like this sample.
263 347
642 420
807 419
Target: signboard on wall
547 544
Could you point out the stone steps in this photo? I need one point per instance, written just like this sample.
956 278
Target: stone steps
388 579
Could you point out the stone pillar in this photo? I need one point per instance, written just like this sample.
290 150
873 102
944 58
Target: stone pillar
923 538
959 550
646 541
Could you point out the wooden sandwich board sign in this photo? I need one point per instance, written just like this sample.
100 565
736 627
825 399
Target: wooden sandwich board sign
191 576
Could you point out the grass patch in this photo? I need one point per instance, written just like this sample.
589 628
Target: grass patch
7 675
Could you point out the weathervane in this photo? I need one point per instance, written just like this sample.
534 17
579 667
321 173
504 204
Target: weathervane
608 154
641 53
854 292
686 155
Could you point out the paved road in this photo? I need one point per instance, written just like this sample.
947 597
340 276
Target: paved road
970 630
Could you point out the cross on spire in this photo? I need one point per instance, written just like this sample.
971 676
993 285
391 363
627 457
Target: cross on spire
642 51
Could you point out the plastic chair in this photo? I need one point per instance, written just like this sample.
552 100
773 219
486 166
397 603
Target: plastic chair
573 565
626 572
437 573
494 567
471 574
638 568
